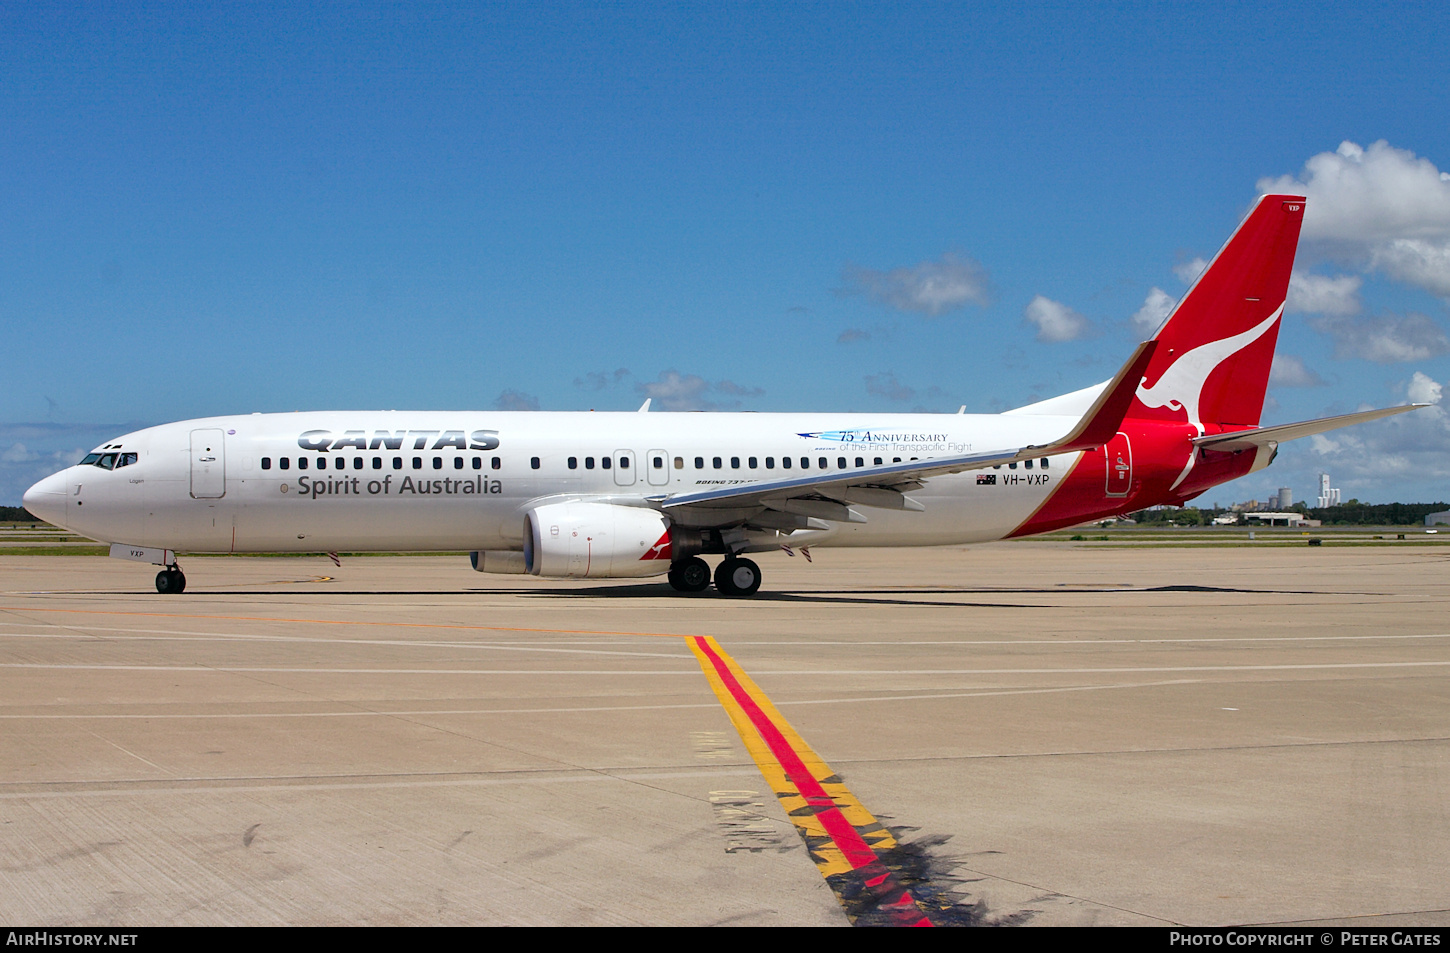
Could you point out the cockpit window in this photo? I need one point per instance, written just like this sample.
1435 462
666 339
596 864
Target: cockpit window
125 459
90 459
107 461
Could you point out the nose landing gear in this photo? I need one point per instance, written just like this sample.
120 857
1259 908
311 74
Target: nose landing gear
170 580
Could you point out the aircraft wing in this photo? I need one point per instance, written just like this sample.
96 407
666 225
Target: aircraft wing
829 494
1263 436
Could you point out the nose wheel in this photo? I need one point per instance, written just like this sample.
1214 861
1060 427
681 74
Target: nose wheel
170 580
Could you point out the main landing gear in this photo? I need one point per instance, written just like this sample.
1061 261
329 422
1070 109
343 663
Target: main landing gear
690 575
733 577
737 577
170 580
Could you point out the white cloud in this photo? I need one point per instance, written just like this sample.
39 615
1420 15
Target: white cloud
886 385
516 400
1415 446
596 380
1321 294
1289 371
1416 261
1055 321
1383 207
1187 271
1156 308
1386 338
17 453
932 287
1424 389
676 391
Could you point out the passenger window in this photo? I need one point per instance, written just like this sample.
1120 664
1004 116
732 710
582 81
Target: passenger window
1027 464
478 463
895 459
377 463
457 462
266 463
878 461
357 463
284 462
497 462
770 463
658 462
679 463
784 462
840 463
806 462
699 463
589 463
824 464
624 463
718 462
302 463
606 462
752 463
417 463
860 462
534 462
735 463
1012 465
438 462
573 463
397 463
1044 463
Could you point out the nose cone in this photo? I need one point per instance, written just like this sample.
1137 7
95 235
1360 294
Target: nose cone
47 499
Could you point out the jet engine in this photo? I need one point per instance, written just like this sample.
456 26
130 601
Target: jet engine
596 540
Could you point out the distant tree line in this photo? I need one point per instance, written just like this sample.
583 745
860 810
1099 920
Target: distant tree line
1353 513
16 514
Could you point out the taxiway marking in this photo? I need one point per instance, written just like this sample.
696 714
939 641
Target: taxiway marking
842 836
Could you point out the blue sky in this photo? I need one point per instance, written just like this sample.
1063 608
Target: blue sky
232 208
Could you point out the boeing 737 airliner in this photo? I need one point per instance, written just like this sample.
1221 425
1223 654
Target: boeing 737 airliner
640 494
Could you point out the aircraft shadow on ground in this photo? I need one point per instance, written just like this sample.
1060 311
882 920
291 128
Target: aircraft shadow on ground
912 597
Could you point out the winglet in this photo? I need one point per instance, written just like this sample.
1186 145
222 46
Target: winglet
1103 419
644 407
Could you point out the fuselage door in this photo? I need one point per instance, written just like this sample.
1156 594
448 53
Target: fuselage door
208 465
658 468
624 467
1119 465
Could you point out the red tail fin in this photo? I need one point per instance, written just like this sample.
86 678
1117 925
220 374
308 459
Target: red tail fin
1215 350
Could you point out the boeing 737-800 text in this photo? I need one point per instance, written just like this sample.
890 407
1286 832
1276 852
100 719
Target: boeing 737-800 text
640 494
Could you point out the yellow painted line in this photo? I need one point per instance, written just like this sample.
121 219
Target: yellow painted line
845 840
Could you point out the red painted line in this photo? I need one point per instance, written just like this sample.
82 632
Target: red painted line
853 847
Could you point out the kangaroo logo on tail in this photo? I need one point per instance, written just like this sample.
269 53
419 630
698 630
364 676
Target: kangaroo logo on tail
1180 387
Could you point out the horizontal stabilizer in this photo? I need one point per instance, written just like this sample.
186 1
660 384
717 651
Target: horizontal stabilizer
1263 436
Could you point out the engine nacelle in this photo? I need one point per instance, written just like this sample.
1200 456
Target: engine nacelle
596 540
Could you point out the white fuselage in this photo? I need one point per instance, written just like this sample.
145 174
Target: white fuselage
442 480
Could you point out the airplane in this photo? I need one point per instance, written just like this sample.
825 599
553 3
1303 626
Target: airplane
630 495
